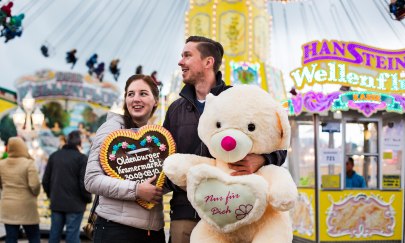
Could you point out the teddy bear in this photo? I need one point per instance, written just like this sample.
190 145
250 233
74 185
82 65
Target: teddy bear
242 120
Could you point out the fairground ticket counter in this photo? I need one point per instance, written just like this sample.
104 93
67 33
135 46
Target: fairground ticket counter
326 130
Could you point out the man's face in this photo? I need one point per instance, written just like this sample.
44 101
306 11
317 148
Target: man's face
191 63
349 166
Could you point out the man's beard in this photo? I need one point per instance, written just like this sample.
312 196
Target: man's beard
193 79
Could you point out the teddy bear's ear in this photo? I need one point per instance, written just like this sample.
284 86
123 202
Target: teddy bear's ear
284 128
209 98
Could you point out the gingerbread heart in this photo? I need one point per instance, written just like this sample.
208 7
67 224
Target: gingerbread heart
137 155
226 202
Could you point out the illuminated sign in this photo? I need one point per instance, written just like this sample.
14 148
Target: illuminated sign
331 181
391 181
245 73
359 216
351 64
303 214
8 95
8 101
365 102
367 98
47 84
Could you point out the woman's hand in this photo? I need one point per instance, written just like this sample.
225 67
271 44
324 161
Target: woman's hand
148 192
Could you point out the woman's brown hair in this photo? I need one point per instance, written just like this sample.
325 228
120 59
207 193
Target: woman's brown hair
129 123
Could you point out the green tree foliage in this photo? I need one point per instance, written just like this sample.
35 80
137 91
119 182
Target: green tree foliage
54 112
7 128
89 118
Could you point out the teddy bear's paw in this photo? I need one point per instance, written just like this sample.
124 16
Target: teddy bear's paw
174 170
282 200
205 171
283 205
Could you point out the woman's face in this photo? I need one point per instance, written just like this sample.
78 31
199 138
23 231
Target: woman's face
140 101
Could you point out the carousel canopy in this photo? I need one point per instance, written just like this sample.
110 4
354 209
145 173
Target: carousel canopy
151 33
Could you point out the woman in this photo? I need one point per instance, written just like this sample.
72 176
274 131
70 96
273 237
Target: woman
20 189
120 218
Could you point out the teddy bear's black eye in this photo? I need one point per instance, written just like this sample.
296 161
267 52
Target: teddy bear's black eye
218 125
251 127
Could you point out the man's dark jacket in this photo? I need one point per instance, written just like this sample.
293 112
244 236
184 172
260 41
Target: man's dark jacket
63 180
182 121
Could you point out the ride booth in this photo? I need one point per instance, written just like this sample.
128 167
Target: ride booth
322 141
336 204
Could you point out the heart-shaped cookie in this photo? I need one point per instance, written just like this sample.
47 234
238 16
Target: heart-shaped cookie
226 202
137 155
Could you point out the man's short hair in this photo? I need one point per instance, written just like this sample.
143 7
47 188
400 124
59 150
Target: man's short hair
207 48
74 138
350 160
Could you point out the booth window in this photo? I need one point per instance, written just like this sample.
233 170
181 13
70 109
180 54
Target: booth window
330 154
361 144
392 154
302 153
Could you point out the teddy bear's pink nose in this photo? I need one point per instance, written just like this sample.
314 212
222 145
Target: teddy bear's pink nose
228 143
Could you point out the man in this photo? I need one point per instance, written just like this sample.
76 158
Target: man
353 180
63 183
397 7
71 57
200 63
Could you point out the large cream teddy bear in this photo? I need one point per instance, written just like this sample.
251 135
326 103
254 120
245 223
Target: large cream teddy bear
249 208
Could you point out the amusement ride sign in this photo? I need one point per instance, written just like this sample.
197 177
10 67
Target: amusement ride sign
380 72
331 62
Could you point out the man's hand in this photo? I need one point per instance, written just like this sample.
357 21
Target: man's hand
149 192
248 165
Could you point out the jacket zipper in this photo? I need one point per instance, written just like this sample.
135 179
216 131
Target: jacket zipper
198 117
201 144
195 107
201 149
149 224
